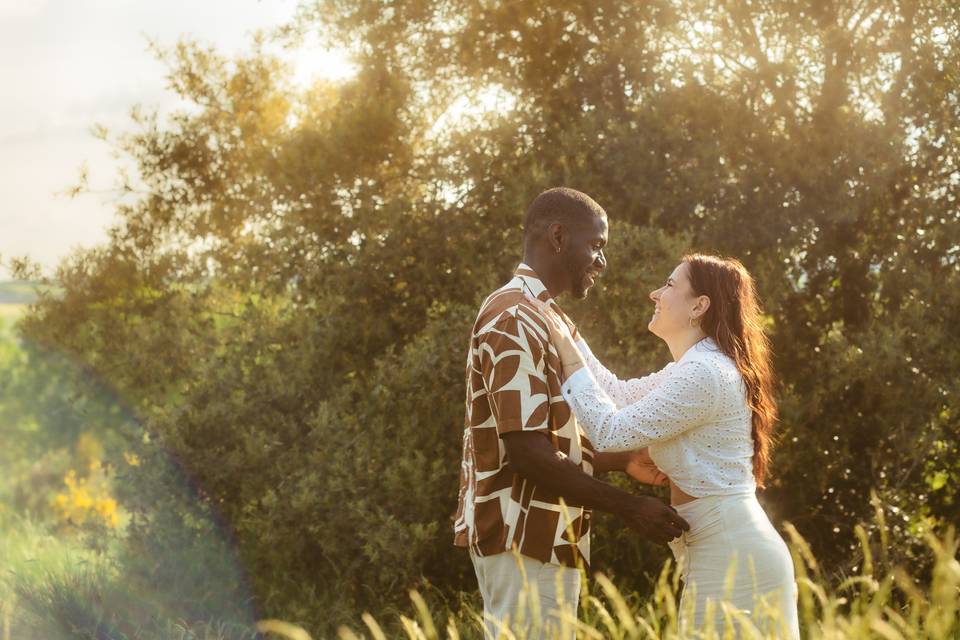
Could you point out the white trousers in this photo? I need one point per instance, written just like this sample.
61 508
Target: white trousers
529 598
735 567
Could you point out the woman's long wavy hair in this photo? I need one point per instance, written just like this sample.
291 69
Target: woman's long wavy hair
734 321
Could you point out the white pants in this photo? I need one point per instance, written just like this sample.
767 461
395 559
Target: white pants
735 566
527 596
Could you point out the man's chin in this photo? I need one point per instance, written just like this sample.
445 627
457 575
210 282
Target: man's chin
580 294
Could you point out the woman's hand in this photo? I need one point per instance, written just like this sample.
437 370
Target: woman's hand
560 336
641 467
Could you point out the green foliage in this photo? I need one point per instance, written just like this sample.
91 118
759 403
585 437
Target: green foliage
286 307
89 606
48 406
58 422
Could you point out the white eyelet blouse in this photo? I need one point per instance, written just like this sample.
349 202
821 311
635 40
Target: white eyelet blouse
692 414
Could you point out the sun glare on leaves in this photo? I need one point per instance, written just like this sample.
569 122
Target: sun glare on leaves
313 63
470 109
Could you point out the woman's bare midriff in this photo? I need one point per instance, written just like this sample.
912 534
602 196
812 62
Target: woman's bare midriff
679 496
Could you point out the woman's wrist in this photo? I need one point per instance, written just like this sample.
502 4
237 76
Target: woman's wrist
570 369
567 350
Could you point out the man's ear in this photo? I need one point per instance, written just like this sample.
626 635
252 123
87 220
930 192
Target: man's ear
556 236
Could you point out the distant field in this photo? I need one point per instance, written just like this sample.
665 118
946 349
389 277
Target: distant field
16 293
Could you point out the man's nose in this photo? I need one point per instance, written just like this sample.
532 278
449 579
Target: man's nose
601 260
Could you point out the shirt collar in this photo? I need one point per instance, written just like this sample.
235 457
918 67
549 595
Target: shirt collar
532 284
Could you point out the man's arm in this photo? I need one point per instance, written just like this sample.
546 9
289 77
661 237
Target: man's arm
534 458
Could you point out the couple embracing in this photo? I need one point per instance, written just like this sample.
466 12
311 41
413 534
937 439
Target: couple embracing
543 416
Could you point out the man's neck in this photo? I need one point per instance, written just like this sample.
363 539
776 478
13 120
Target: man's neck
545 271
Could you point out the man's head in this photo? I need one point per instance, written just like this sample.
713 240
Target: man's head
563 239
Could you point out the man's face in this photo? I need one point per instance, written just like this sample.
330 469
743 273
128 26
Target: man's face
583 258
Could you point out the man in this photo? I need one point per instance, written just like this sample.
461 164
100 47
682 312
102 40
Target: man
527 486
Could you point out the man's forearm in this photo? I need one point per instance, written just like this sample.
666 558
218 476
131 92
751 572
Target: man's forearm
577 488
534 457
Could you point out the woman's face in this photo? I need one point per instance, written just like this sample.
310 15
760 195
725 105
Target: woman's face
674 304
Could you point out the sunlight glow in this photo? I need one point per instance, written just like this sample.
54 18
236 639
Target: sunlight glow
312 63
470 110
21 8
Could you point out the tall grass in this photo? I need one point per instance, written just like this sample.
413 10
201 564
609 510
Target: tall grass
52 590
53 587
880 602
30 558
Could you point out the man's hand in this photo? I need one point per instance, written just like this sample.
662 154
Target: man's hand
653 519
641 467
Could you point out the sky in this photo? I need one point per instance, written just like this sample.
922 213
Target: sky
66 65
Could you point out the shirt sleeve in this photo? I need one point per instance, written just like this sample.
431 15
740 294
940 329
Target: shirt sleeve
512 365
682 401
622 392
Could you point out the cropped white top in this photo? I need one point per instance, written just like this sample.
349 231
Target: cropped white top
692 414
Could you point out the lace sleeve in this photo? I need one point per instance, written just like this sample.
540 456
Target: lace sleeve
681 402
622 392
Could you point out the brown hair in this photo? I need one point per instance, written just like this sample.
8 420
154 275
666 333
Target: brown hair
734 322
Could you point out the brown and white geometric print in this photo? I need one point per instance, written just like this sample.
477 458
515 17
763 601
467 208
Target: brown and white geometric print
513 384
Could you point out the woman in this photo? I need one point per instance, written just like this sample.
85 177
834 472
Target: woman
707 420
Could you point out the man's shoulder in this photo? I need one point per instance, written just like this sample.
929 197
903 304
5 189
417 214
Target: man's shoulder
508 306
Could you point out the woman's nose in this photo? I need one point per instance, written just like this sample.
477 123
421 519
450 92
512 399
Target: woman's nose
655 295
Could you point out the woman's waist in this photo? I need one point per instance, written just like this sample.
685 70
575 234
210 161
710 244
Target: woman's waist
687 487
733 513
700 504
678 496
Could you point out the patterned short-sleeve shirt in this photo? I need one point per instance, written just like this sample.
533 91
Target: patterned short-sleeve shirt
514 384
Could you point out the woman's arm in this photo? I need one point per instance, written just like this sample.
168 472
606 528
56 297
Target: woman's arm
685 400
622 392
679 403
575 353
